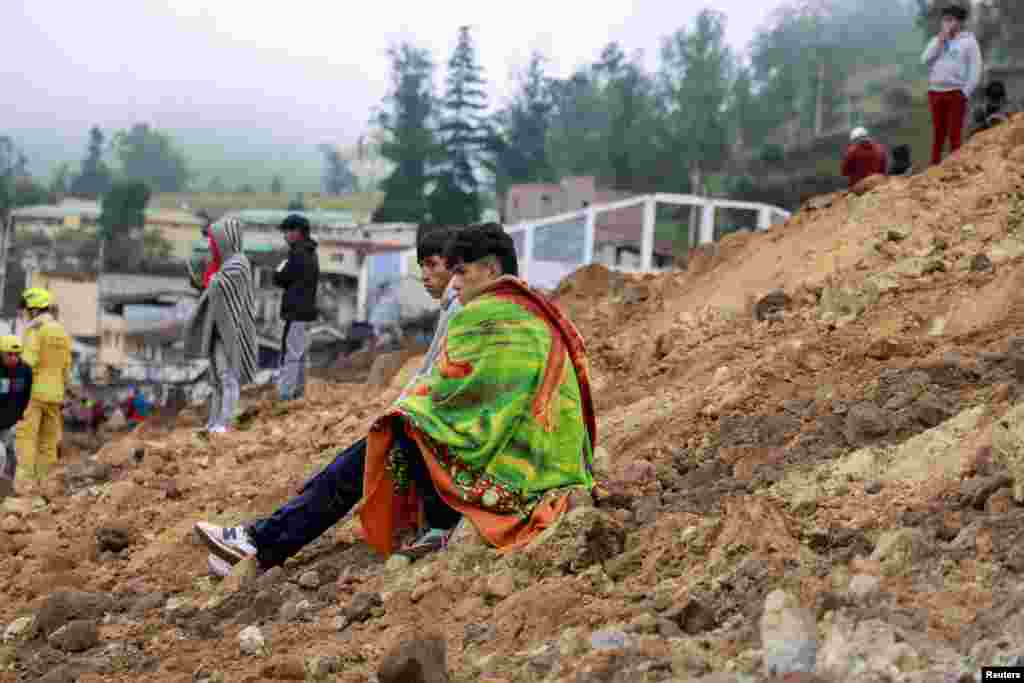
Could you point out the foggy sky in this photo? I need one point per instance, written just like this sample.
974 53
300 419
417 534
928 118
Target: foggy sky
302 70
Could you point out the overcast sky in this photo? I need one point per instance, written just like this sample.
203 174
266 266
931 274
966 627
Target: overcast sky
307 70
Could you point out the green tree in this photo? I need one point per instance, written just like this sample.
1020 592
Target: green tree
338 177
298 203
410 142
696 75
95 179
121 223
277 185
149 155
518 141
60 180
463 134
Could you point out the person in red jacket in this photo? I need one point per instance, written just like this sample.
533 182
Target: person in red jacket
864 157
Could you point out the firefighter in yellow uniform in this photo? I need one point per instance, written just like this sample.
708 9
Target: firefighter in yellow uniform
47 350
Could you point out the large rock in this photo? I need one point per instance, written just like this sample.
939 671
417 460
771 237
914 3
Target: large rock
66 606
871 647
1008 447
865 422
251 641
899 549
579 539
789 636
76 636
423 660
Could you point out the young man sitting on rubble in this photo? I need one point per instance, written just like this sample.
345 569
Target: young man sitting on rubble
330 495
501 430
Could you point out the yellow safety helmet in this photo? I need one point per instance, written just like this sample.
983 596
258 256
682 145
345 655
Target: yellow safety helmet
10 344
36 298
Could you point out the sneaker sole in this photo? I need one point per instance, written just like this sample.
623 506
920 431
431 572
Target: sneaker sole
231 555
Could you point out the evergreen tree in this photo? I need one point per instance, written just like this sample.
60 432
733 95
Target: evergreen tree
518 143
455 199
95 179
410 144
277 185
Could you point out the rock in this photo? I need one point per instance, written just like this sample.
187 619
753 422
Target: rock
362 606
981 264
500 586
75 636
863 587
321 666
897 233
285 669
873 487
113 538
310 580
897 550
919 266
397 563
694 617
63 607
147 603
206 676
1008 447
341 623
580 538
179 608
252 642
646 509
868 646
975 492
18 628
289 612
820 202
772 305
422 660
789 637
639 472
610 639
479 633
865 422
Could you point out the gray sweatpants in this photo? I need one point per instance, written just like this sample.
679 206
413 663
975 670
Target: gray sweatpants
291 377
226 389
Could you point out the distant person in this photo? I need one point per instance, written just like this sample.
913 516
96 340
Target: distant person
995 109
386 316
864 157
222 328
299 276
137 408
955 67
15 391
47 350
900 164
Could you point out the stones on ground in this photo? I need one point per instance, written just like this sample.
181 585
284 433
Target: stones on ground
1008 447
113 538
579 539
865 422
772 305
693 617
310 579
897 550
873 487
789 636
18 628
872 647
479 633
87 473
322 666
363 607
610 639
252 642
919 266
422 660
981 264
65 606
897 233
863 587
75 636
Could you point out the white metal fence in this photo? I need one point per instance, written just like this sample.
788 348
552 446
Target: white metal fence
620 235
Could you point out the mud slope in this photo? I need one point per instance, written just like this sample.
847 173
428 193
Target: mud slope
809 444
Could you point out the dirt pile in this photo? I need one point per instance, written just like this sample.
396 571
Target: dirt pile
809 448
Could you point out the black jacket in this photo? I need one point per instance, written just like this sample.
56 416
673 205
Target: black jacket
299 277
15 390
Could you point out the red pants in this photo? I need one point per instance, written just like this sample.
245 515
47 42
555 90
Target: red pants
949 114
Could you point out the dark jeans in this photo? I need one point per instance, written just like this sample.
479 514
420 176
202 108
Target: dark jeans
327 498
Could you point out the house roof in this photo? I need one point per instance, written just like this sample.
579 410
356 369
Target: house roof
91 211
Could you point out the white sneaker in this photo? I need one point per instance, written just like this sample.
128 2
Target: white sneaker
218 430
217 566
231 544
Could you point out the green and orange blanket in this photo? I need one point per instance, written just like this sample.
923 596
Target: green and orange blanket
505 421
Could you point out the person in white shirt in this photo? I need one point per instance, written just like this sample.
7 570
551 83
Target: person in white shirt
955 65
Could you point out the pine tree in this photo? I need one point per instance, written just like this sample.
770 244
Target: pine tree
95 179
410 144
455 199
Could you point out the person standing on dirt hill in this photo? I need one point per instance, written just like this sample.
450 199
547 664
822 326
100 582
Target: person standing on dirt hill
298 276
222 328
47 350
15 391
864 157
501 430
954 60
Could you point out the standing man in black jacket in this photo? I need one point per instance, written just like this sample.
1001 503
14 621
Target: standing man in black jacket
298 276
15 390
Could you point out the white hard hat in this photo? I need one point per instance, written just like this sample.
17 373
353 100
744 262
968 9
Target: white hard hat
858 134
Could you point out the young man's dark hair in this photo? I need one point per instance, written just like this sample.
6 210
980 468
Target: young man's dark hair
432 241
995 91
295 222
955 11
480 241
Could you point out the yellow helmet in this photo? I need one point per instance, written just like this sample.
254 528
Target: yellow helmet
36 298
10 344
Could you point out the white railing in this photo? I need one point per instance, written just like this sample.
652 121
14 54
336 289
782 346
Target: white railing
551 248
